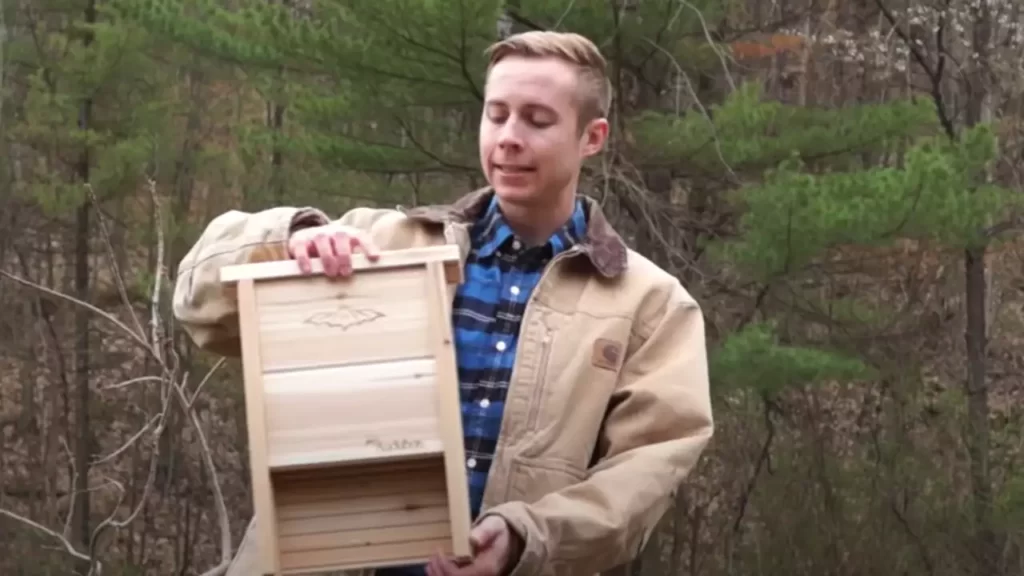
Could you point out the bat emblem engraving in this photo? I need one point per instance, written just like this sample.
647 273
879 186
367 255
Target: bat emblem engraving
344 317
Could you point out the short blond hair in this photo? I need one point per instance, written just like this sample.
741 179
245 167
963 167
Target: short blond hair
594 88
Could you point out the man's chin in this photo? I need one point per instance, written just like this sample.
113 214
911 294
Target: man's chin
516 194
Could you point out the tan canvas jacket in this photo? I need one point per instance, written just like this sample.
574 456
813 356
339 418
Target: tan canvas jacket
608 409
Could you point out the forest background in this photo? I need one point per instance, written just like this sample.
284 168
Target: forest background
838 183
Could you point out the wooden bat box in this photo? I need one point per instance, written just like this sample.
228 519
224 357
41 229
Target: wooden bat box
352 407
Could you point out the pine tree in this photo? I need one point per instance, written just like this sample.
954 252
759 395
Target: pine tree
87 119
815 189
373 91
737 191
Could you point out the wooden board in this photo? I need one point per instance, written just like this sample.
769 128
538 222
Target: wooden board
377 317
447 254
362 515
353 413
355 435
262 491
450 411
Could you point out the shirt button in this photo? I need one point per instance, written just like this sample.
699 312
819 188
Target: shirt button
485 403
516 245
500 346
514 290
471 463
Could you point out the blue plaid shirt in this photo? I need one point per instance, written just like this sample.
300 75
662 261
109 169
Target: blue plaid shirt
501 273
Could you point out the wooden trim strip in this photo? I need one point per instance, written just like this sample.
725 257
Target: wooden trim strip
449 412
262 489
447 253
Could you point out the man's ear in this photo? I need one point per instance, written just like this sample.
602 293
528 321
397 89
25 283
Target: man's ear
595 134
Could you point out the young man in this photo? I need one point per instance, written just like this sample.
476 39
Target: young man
582 365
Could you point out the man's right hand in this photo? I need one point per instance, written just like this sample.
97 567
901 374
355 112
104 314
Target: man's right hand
333 244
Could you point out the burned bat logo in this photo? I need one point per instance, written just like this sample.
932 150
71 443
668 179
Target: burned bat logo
344 318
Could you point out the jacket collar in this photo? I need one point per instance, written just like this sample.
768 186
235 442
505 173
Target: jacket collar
602 244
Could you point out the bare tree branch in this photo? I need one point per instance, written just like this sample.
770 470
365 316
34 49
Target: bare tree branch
216 366
118 278
131 441
158 274
934 73
173 382
131 381
60 538
106 315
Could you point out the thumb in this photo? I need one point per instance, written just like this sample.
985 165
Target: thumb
484 533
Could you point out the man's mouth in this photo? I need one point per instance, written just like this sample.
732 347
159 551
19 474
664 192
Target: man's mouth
513 168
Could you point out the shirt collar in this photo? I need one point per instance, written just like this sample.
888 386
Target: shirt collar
492 231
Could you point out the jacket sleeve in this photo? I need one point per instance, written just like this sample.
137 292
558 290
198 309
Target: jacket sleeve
204 307
658 423
207 309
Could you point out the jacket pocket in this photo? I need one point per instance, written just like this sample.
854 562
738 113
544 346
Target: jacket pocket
540 382
533 478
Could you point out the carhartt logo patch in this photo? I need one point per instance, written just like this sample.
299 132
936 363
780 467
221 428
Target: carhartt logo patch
607 354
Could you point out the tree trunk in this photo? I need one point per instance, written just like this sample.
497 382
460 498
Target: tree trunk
83 432
277 178
82 428
978 434
977 412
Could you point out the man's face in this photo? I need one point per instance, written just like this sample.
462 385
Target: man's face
531 147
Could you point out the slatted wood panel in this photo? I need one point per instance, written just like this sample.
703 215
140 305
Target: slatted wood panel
352 413
370 514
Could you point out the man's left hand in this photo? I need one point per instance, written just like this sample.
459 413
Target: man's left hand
495 549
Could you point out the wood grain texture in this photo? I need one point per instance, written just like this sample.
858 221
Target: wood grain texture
262 490
362 515
352 413
388 259
372 317
449 410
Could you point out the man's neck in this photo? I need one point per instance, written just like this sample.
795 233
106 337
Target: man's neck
536 224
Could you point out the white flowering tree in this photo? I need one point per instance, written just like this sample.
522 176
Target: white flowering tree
968 55
966 58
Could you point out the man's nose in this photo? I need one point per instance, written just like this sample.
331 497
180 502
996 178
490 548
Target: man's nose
508 134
